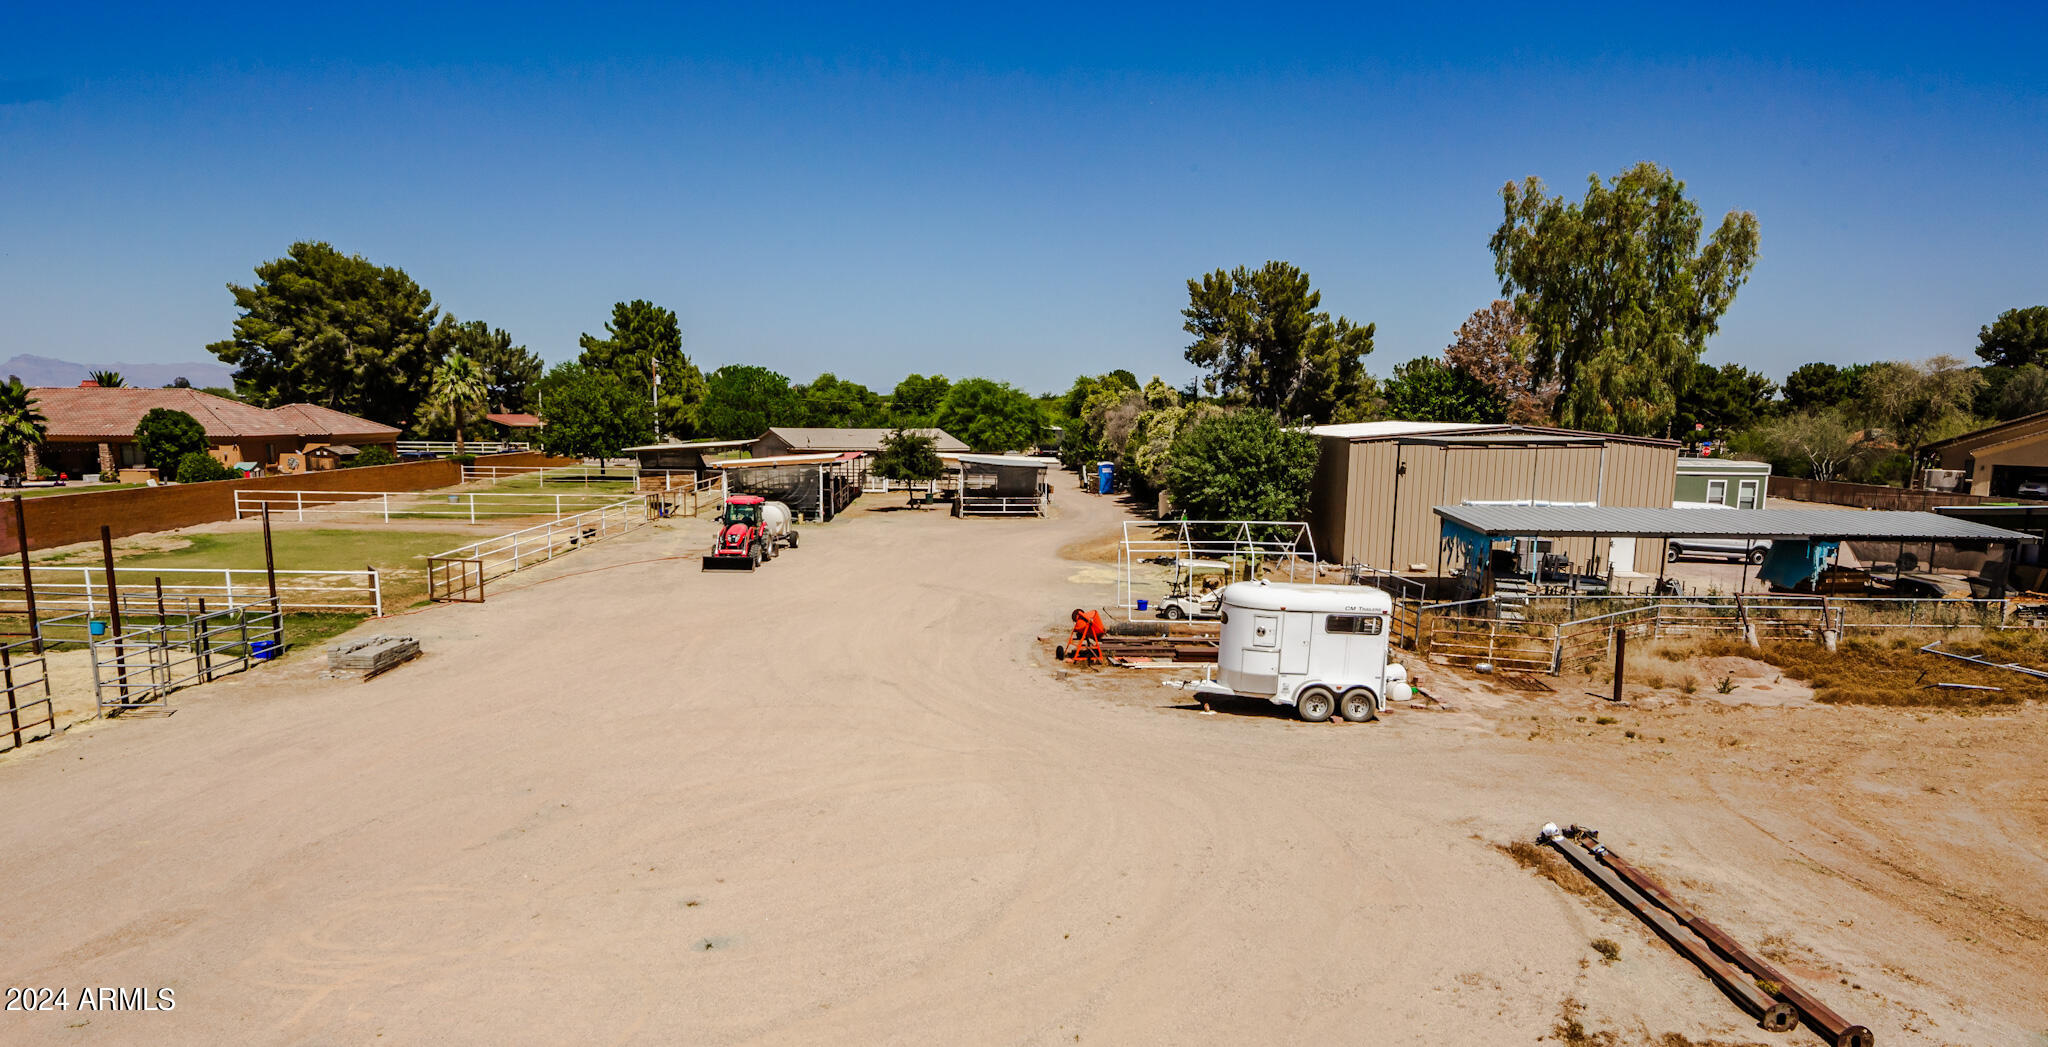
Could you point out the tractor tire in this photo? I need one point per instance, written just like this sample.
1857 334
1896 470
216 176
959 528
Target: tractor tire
768 550
753 556
1358 706
1172 613
1314 704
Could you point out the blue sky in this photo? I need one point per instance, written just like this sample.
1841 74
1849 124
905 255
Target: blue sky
1021 194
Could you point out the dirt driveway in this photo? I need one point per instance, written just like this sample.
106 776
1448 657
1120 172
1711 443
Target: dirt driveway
847 800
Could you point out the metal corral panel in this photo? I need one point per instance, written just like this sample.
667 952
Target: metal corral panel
1842 524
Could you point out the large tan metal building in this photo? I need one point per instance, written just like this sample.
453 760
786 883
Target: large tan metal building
1377 482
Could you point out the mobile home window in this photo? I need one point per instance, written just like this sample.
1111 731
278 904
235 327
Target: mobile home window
1361 624
1745 494
1717 492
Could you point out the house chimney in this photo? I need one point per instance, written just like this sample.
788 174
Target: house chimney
88 384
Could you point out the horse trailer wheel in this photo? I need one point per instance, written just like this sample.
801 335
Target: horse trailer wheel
1314 704
1358 706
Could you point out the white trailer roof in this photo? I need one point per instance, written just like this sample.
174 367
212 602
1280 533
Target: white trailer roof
1287 596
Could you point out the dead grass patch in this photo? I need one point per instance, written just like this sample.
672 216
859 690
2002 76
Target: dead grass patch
1544 862
1892 671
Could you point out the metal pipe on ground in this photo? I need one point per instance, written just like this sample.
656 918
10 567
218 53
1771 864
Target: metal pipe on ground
1773 1015
1839 1030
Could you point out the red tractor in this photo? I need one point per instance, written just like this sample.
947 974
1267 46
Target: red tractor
750 529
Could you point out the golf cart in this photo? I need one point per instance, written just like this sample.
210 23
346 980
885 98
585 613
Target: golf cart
1197 590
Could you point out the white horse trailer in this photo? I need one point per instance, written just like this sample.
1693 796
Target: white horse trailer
1319 648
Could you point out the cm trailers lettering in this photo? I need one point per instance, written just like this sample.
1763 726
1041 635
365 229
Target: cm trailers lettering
91 998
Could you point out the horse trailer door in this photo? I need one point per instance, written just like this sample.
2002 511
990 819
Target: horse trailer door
1295 637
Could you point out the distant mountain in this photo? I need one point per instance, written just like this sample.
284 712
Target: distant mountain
42 370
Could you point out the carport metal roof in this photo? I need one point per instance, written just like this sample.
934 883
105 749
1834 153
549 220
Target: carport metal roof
1565 521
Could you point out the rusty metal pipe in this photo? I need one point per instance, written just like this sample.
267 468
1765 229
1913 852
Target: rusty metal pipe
1839 1030
1774 1015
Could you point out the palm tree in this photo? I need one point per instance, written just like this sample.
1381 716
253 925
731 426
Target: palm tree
459 384
108 379
22 427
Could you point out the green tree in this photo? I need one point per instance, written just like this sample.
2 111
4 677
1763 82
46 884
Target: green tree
375 455
1148 452
1818 385
22 426
460 389
990 416
1264 341
1721 400
642 338
1619 292
166 436
332 329
910 457
832 402
2018 337
916 399
1426 389
591 414
199 467
1243 465
2010 392
107 379
743 400
509 371
1917 404
1822 441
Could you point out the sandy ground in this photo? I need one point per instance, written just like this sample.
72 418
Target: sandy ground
850 799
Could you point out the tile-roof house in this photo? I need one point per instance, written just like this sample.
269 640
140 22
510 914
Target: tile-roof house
92 429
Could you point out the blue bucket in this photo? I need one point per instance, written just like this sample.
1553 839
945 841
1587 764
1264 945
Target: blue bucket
99 628
1142 605
263 650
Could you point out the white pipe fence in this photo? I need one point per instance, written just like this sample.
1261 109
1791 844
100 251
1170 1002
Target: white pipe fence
542 475
437 448
440 505
61 589
459 574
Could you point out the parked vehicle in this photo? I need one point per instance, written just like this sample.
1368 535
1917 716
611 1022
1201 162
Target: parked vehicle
1197 590
1752 551
1319 648
750 529
2034 489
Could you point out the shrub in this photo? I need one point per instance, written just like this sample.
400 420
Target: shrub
199 467
459 459
1244 465
167 438
378 455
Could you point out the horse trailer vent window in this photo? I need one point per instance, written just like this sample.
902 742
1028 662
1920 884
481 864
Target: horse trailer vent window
1362 624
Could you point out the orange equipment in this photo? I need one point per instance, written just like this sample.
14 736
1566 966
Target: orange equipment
1085 645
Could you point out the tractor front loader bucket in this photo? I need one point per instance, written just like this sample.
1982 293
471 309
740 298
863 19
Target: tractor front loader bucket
715 562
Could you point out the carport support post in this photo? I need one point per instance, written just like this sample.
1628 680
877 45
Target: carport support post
269 558
28 584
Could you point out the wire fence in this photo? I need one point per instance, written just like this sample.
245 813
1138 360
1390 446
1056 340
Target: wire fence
459 575
1553 634
143 664
60 588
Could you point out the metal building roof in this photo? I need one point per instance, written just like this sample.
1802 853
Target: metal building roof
1559 521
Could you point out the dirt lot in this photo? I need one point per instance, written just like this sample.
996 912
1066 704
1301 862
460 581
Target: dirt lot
850 799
